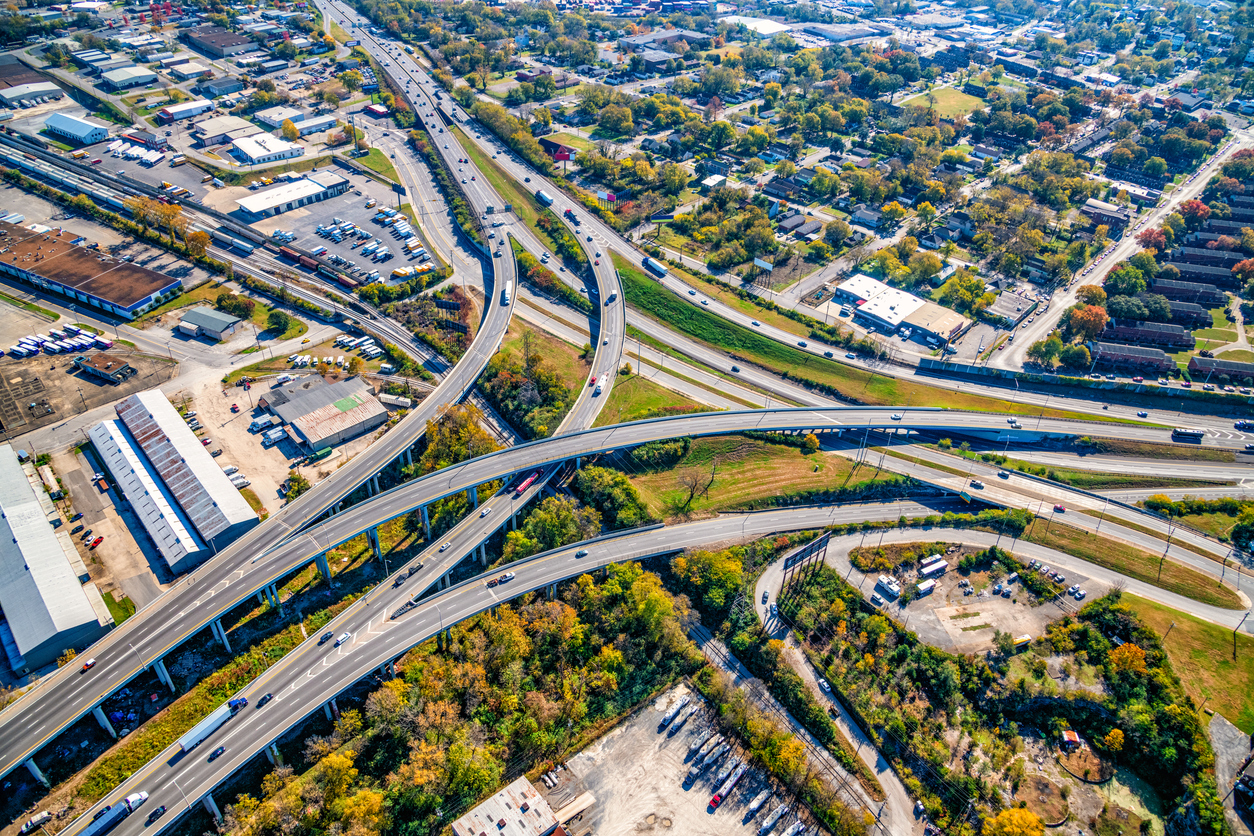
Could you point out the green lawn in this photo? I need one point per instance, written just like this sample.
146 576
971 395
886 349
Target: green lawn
1202 655
635 397
206 293
669 309
1131 561
378 162
561 355
950 102
1239 354
573 141
30 306
119 609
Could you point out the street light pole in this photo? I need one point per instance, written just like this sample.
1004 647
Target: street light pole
138 655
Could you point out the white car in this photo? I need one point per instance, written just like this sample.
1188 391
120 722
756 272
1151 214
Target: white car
446 545
345 636
487 510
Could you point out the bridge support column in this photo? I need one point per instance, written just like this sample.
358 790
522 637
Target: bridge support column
392 668
261 596
474 497
164 675
272 755
483 554
374 480
372 535
219 633
37 772
409 456
513 522
447 580
448 637
552 591
327 708
426 523
211 807
99 714
323 567
578 462
272 593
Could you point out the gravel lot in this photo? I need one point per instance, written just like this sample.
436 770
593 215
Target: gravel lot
637 775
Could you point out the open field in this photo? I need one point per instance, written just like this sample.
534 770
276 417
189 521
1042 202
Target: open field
734 471
875 389
1131 561
950 102
562 356
636 397
378 162
1150 450
1213 663
573 141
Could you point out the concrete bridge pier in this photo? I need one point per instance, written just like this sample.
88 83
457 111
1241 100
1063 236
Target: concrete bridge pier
552 591
324 568
426 523
372 535
219 633
37 772
474 497
211 807
272 755
164 675
483 554
103 720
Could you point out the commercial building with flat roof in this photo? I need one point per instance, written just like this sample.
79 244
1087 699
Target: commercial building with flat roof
46 609
316 124
164 522
31 90
325 414
263 148
314 187
276 116
49 261
125 78
517 810
216 41
215 507
80 131
183 110
192 69
108 367
220 129
208 322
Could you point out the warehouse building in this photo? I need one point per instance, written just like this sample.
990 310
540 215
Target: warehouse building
183 110
316 124
314 187
276 116
49 261
207 322
32 90
167 526
889 308
189 70
221 129
215 87
263 148
216 41
106 367
204 493
517 810
75 130
46 607
321 414
127 77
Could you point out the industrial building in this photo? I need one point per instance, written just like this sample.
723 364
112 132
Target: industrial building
263 148
127 77
167 526
207 322
890 309
204 493
183 110
49 261
321 414
189 70
216 41
276 116
314 187
34 90
107 367
46 606
215 87
517 810
222 129
73 129
316 124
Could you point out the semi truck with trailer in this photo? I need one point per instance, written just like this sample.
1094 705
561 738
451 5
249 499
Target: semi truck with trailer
210 724
109 817
544 197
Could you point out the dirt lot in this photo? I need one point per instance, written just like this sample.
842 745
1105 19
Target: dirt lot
44 390
637 775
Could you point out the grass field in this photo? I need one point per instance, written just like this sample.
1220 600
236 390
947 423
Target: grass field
1150 450
635 397
1131 561
1202 655
949 102
120 609
745 470
1238 354
1216 525
667 308
573 141
561 355
209 291
524 202
378 162
30 306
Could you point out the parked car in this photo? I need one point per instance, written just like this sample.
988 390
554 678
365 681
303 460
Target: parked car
95 543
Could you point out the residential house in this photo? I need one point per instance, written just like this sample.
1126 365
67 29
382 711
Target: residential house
1148 333
864 216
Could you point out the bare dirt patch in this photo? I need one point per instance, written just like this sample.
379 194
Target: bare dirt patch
1043 797
1087 765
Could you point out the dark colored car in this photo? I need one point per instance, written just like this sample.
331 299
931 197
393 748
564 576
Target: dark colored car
264 700
156 814
216 753
326 637
76 517
85 534
76 529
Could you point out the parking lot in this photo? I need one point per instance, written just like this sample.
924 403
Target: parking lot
638 774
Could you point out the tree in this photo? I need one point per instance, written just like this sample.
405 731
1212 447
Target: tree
1114 740
926 212
290 132
352 80
1154 167
297 484
1046 351
1091 294
1128 658
924 266
197 242
616 120
1124 280
66 657
1087 321
836 232
1016 821
1153 239
1075 357
893 212
786 168
279 321
355 365
1195 213
721 135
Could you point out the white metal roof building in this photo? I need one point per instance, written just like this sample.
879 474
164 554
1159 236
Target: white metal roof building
316 124
277 115
314 187
890 307
46 609
263 148
33 90
127 77
214 506
166 524
75 129
516 810
183 110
